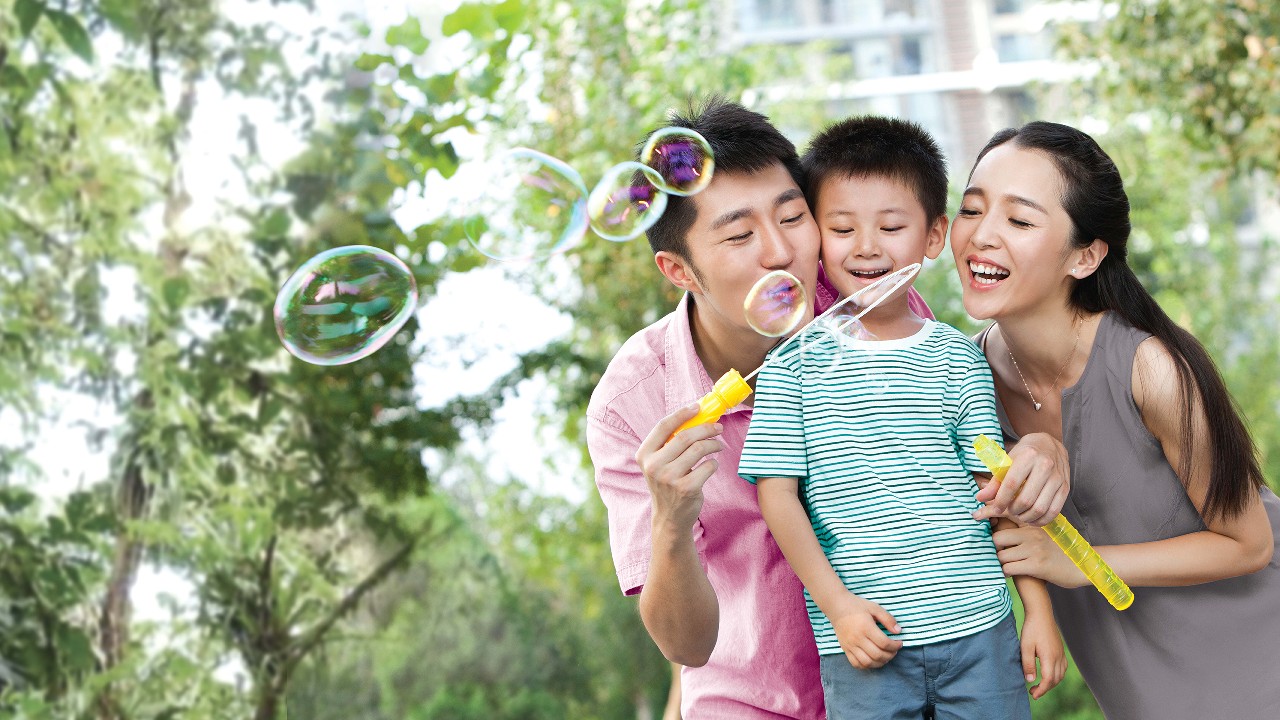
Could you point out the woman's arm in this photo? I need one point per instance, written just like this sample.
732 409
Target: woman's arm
1230 547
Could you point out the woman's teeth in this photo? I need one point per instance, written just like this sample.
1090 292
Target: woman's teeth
987 274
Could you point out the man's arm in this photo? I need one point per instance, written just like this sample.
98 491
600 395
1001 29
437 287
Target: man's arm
677 602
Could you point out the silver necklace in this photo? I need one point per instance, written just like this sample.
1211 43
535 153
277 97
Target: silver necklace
1054 384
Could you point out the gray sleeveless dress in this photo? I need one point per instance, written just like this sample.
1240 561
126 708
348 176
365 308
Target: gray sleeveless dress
1203 652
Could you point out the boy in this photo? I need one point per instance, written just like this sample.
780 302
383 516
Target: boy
865 471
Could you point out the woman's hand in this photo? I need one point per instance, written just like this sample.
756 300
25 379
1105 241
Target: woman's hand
1030 551
1035 487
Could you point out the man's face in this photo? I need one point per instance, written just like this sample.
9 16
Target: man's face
748 225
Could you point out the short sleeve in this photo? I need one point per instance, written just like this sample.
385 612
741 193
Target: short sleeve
975 407
775 445
625 493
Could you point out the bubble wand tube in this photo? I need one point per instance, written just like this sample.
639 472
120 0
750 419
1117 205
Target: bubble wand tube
1064 534
732 388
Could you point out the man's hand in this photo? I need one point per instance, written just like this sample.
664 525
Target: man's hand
678 603
858 628
673 471
1036 485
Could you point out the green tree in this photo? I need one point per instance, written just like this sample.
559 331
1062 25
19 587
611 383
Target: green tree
250 474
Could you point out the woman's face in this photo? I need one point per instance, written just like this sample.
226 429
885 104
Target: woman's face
1011 237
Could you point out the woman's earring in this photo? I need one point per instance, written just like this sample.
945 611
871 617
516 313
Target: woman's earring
1073 271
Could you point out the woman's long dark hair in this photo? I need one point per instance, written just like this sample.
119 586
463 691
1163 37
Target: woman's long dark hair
1095 200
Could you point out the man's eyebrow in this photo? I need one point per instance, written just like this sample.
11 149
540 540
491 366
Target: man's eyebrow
783 198
787 196
729 217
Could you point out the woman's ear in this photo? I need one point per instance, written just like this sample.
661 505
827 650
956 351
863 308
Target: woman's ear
1088 259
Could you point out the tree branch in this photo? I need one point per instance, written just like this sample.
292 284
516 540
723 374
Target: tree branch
316 634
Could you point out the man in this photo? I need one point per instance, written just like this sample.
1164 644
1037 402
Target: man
716 594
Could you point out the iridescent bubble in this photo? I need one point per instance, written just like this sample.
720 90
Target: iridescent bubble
626 202
344 304
531 206
682 158
776 304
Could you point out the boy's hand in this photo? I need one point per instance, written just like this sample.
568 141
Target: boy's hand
858 628
1040 640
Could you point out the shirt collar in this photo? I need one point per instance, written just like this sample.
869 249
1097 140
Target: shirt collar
687 378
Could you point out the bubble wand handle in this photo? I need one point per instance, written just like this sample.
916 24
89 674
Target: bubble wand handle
1064 534
732 388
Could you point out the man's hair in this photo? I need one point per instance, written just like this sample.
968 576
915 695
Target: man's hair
871 146
741 140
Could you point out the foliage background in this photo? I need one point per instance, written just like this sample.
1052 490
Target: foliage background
351 552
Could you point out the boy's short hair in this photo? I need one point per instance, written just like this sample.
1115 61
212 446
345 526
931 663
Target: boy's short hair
741 140
872 146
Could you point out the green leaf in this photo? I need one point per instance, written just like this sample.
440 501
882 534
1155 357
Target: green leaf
369 62
277 223
510 14
408 35
28 12
474 18
72 32
12 77
15 500
176 291
123 14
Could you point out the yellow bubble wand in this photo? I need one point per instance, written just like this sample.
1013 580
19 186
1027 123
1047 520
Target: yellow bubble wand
1063 533
732 387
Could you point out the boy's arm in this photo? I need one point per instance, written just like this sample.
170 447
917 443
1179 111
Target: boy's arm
853 618
1040 637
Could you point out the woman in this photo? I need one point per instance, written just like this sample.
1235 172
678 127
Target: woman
1165 481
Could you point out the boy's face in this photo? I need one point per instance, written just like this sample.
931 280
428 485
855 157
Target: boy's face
746 226
872 226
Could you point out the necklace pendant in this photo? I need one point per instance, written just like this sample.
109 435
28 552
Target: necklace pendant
1037 406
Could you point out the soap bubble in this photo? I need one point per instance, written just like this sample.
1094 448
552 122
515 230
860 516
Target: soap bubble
626 202
682 158
776 304
531 206
344 304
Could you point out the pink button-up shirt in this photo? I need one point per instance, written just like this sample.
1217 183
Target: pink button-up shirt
765 662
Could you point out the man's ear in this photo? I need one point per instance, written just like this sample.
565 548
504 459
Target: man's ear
937 238
678 271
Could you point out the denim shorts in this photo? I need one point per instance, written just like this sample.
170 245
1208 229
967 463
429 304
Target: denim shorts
976 677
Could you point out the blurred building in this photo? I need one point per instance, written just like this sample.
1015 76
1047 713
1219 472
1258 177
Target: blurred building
961 68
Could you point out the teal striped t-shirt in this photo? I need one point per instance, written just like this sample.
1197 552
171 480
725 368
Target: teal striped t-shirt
880 435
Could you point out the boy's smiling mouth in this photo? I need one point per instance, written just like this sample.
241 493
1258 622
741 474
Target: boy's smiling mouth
868 274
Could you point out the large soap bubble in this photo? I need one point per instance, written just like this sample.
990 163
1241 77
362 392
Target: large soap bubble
531 206
626 202
776 304
682 158
344 304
